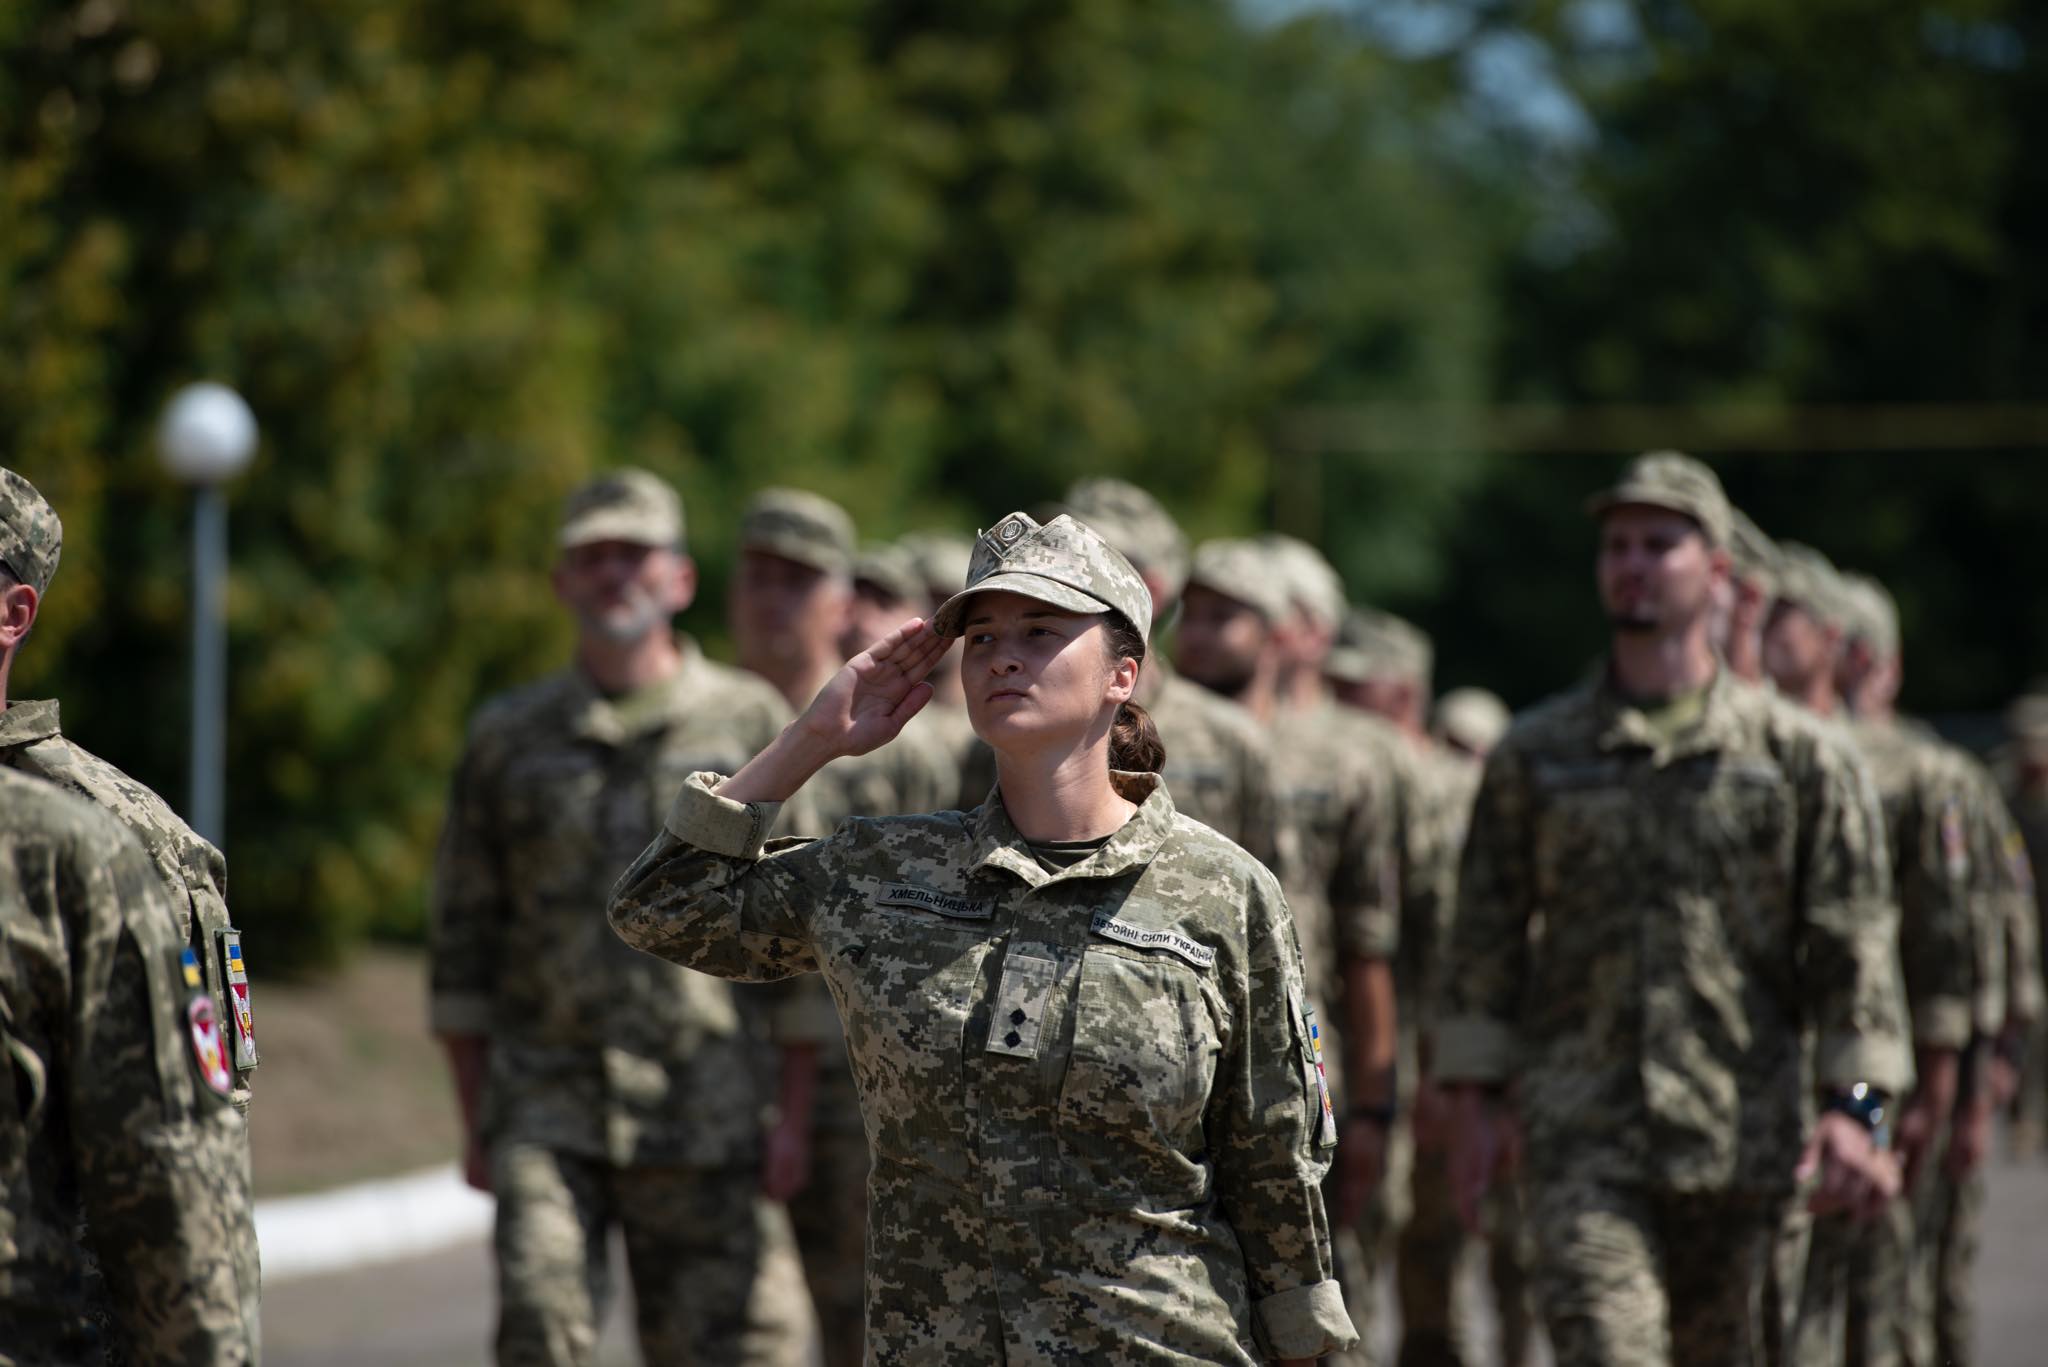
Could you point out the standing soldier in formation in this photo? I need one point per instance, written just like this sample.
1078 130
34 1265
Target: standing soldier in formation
192 872
118 1103
941 560
1470 722
2006 995
1217 765
1857 1304
792 604
600 1086
1383 665
1673 921
1743 606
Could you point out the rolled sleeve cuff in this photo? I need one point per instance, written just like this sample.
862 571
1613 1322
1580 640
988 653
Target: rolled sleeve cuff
1370 932
1306 1322
1843 1060
1473 1049
459 1013
718 825
1943 1022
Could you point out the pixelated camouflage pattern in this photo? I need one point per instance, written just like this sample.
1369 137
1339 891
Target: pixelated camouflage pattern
1085 1148
1064 562
31 536
1666 939
1336 777
710 1261
106 1110
1946 925
593 1049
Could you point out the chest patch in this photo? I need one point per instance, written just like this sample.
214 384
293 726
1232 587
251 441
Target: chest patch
1020 1004
1138 937
928 899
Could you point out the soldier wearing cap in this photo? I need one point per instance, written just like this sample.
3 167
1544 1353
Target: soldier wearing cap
1673 926
193 874
1471 721
117 1103
1954 842
600 1087
1743 604
1076 1018
793 608
1382 665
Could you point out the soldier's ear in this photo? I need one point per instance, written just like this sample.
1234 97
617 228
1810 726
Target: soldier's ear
683 584
18 605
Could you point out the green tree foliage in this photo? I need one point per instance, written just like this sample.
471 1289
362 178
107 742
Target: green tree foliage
931 260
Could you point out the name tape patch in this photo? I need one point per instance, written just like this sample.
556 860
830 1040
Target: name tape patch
929 899
1138 937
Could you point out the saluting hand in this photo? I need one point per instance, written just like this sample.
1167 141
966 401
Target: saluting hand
866 704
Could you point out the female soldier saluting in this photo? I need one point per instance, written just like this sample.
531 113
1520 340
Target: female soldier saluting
1075 1017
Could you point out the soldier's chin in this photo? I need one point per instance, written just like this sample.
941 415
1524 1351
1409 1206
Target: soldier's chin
1632 623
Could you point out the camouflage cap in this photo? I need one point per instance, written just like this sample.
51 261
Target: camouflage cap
1065 563
1378 645
1755 554
1135 523
892 570
799 525
1672 481
941 558
31 537
1243 571
1809 580
1873 614
1473 717
623 505
1312 582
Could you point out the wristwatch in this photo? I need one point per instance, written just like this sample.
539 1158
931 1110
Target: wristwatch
1867 1106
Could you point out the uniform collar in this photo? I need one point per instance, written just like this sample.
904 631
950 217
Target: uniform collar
997 844
1621 725
25 723
617 721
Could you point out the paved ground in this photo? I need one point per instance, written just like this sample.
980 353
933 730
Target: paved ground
436 1312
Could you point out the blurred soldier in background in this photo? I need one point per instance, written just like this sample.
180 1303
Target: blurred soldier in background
119 1101
941 560
1217 766
2006 998
193 874
1742 605
1673 920
1470 722
598 1085
792 606
2023 778
1856 1305
1383 665
1338 774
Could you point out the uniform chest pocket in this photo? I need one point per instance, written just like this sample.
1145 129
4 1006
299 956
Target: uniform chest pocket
1742 818
1579 832
1139 1072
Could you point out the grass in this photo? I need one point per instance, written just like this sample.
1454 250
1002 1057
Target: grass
352 1084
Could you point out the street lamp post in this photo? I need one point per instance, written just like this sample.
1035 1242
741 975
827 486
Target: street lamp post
205 438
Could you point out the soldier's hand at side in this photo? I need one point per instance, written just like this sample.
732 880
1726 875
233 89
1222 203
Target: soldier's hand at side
868 701
1361 1165
1856 1177
786 1159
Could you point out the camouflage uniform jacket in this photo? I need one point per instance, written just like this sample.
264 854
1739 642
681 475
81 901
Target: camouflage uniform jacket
193 873
1666 942
1217 765
1337 776
593 1049
1946 926
1094 1115
2006 885
106 1107
1435 812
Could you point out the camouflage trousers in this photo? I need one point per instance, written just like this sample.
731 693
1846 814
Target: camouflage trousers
1857 1307
1944 1263
1428 1253
1634 1277
830 1216
706 1253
